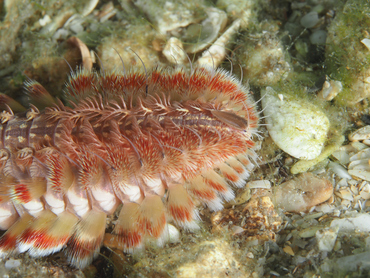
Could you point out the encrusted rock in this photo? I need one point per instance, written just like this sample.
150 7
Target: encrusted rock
302 193
297 127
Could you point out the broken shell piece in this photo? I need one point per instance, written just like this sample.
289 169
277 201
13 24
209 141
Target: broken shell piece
200 36
360 134
57 22
304 165
89 7
366 42
360 222
339 170
360 173
363 154
326 238
345 194
359 165
174 51
240 198
107 11
330 89
342 156
259 184
85 53
217 52
365 192
236 230
302 193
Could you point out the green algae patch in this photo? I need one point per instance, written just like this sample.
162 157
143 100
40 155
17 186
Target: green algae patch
347 58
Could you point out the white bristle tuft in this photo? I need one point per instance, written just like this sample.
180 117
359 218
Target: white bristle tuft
85 243
55 236
36 231
181 208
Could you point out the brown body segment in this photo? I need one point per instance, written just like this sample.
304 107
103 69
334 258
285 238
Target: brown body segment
20 132
16 133
42 132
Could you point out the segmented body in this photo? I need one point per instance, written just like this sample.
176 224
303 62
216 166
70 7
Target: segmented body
155 143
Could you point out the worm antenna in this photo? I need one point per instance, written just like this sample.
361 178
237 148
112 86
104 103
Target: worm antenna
146 73
100 62
123 65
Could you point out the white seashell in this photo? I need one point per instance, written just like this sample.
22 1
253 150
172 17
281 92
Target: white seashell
236 230
366 42
345 194
354 190
342 156
174 51
89 7
358 146
360 134
209 30
364 154
298 128
365 195
259 184
366 142
365 191
217 52
343 182
363 185
362 174
339 170
168 15
362 164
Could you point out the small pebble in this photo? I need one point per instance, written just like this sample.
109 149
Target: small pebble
309 232
287 249
45 20
310 20
76 27
326 239
318 37
173 234
11 263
